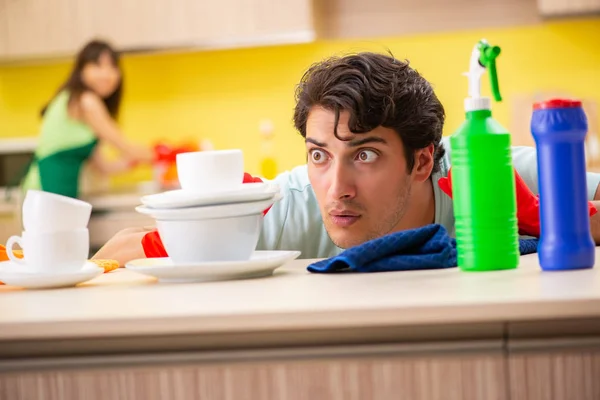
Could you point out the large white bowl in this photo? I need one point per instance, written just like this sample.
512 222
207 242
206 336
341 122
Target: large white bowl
209 240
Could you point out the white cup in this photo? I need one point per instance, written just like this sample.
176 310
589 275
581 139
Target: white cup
210 171
48 212
51 252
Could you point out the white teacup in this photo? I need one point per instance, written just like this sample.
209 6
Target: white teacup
51 252
48 212
209 171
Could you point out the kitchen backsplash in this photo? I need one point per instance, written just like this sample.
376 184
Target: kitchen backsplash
224 95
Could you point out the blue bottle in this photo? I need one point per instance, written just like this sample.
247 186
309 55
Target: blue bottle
559 128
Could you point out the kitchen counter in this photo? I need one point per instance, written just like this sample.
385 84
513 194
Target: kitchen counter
294 298
507 325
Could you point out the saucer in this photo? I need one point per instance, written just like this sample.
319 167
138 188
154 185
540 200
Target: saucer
210 212
208 190
262 263
185 198
14 275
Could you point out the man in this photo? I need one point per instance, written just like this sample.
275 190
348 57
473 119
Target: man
373 132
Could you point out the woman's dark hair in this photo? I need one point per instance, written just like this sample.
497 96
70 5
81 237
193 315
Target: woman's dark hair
91 53
377 90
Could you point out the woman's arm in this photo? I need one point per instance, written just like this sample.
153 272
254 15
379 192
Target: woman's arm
96 115
106 167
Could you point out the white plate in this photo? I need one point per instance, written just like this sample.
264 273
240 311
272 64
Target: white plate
209 212
10 275
262 263
185 198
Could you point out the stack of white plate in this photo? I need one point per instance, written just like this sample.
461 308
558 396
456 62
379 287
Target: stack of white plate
211 234
241 200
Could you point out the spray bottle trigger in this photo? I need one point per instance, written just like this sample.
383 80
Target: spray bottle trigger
488 55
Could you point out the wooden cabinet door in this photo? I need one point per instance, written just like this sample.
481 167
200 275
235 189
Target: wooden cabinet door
434 377
555 375
122 23
285 18
135 25
568 7
252 22
3 30
173 22
40 27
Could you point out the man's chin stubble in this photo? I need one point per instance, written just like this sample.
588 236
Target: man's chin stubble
348 240
355 240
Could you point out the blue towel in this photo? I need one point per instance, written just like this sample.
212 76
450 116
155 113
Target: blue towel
429 247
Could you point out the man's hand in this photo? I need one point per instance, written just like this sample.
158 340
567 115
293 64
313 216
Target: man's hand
595 224
528 206
125 246
595 220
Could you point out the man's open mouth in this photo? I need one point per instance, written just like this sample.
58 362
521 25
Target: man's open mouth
344 220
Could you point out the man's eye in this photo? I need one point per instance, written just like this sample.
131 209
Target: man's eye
367 156
318 156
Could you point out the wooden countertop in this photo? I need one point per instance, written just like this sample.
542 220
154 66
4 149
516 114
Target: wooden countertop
125 304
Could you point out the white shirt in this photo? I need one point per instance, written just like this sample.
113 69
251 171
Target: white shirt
295 223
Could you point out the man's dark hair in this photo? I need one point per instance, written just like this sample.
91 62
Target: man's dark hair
377 90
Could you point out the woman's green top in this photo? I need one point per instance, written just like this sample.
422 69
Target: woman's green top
65 144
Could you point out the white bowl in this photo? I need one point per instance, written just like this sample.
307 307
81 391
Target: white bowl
209 240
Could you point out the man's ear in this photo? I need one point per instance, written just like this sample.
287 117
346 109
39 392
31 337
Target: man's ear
424 159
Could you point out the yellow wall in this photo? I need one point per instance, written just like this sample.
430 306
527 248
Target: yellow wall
222 95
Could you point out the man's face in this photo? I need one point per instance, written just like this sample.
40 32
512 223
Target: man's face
362 185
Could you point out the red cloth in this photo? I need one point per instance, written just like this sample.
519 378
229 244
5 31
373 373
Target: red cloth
151 243
528 205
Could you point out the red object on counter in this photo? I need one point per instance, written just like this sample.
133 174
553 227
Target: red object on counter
528 205
163 153
152 244
165 163
166 153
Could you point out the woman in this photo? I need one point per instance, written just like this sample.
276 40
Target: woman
82 114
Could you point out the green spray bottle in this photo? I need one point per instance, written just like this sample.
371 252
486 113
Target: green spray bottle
483 180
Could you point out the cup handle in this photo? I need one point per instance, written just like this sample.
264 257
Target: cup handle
9 249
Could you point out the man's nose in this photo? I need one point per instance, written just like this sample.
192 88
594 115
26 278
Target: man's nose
342 184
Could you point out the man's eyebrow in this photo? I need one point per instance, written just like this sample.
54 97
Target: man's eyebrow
315 142
351 143
370 139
